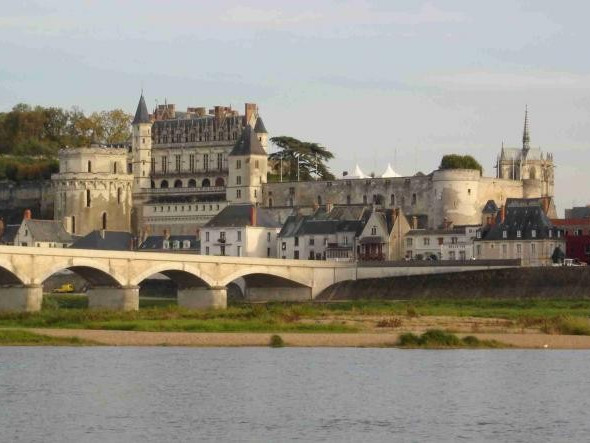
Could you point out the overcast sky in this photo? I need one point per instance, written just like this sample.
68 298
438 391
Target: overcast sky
374 81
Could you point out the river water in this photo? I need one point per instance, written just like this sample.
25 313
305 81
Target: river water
160 394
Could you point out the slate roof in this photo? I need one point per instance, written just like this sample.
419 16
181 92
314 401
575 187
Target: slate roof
48 231
292 225
578 212
516 154
236 216
9 234
490 207
156 242
112 241
141 114
524 215
248 144
259 126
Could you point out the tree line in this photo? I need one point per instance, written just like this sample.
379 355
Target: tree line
40 131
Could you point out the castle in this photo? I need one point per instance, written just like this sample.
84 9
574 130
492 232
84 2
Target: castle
182 168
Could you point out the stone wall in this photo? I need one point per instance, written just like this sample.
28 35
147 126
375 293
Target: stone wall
539 282
38 196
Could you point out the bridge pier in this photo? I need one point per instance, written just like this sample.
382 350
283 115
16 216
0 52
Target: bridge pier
257 293
118 299
21 298
203 298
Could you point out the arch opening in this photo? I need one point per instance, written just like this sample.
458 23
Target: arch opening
8 278
178 183
262 287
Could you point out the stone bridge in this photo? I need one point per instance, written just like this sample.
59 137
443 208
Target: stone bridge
114 276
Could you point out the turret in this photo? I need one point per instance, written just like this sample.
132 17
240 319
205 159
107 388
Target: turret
261 133
247 169
142 146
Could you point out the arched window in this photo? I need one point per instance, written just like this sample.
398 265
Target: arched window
178 184
119 195
192 183
392 200
219 182
270 202
153 184
164 184
89 166
104 220
206 183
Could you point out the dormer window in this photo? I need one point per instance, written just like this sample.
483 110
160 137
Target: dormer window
374 230
550 233
175 244
478 235
186 244
534 233
504 234
519 234
166 244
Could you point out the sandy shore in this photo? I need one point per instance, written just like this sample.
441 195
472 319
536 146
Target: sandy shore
202 339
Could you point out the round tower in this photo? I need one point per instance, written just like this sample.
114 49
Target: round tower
141 145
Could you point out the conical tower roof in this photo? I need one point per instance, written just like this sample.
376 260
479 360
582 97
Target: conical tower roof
389 172
259 127
248 144
141 115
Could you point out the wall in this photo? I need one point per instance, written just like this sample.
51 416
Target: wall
37 196
541 282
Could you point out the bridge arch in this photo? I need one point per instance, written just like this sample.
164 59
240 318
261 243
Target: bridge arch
9 275
183 275
250 271
94 272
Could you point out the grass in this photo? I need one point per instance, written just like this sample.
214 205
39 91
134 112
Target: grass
70 311
438 339
15 337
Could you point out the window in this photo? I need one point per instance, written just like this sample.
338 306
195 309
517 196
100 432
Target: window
152 165
220 161
319 200
392 200
504 250
454 240
164 164
296 255
345 240
413 199
533 248
207 250
426 241
283 246
89 166
504 234
238 180
165 244
73 224
268 236
478 235
222 249
239 235
519 249
364 199
296 240
207 236
191 162
311 241
238 164
206 162
88 198
348 200
186 244
239 251
519 234
534 233
238 193
119 195
176 244
177 162
268 252
292 191
256 164
222 236
478 250
452 255
462 255
468 191
374 230
409 242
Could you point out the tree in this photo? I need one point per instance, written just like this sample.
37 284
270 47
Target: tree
300 160
454 161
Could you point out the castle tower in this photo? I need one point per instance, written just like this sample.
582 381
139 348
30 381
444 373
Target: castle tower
247 167
141 144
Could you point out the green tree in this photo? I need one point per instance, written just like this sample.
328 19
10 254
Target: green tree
455 161
300 160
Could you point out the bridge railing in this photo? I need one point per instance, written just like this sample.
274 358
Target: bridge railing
438 263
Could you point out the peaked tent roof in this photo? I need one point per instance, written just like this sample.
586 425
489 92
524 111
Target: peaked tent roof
141 115
389 172
357 173
248 144
259 127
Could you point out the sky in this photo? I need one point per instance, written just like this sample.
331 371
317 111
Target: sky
376 82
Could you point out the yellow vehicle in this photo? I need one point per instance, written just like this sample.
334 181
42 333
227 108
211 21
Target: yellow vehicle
64 289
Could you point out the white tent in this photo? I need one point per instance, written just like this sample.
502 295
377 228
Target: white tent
389 172
357 173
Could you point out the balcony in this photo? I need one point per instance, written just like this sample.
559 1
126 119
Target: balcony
201 190
189 174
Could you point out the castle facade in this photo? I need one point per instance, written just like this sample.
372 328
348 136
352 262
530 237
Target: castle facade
184 167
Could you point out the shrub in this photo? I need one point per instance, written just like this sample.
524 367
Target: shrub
392 322
276 341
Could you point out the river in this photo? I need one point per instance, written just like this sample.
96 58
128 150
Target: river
161 394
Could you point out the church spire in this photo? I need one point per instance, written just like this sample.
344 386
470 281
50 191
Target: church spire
141 114
526 138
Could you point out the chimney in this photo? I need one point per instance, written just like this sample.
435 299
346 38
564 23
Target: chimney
502 213
27 214
166 234
414 222
250 110
253 215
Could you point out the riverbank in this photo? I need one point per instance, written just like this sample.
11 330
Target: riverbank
232 339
